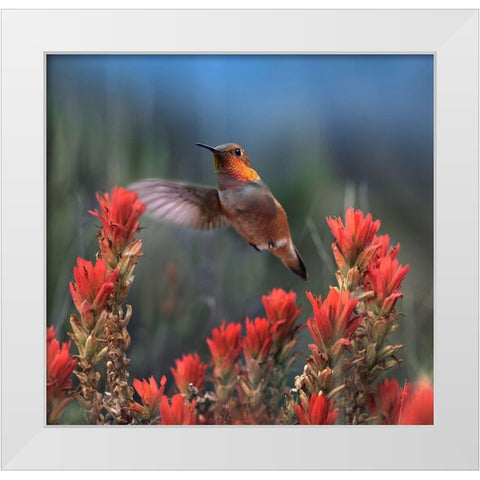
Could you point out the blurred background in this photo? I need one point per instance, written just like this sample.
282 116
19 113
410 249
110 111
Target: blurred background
325 132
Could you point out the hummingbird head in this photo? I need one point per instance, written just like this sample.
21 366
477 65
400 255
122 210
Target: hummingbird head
232 160
228 152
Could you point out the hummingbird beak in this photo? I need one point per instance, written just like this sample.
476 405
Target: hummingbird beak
208 147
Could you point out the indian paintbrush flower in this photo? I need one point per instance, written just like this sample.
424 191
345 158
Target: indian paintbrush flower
333 322
384 249
353 245
178 412
150 394
91 292
257 345
119 214
189 370
389 402
282 312
92 289
60 366
316 410
384 279
419 408
258 339
225 347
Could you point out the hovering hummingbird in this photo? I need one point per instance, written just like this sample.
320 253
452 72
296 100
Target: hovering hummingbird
242 200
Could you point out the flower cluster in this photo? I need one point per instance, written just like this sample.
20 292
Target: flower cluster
268 350
91 292
332 326
350 326
247 388
374 276
333 323
120 213
60 366
98 292
245 377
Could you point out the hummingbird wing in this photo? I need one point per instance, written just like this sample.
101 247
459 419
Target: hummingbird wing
189 205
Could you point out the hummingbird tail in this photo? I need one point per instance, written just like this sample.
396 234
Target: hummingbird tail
296 265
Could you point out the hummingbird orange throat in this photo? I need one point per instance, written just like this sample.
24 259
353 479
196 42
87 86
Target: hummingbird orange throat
233 164
242 200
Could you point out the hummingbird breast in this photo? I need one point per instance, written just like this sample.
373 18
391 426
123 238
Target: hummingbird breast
255 214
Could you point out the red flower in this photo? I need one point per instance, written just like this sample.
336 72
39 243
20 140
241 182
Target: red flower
179 412
354 239
225 347
282 313
419 408
93 287
391 401
385 279
60 366
150 394
384 249
50 335
332 319
258 340
317 410
120 212
190 369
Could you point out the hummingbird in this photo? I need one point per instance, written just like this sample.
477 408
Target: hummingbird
242 200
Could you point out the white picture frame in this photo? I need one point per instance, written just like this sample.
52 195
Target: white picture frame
450 35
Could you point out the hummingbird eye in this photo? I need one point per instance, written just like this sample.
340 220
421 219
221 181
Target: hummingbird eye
237 152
